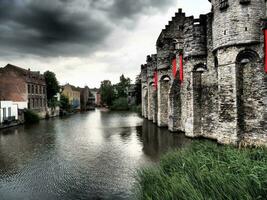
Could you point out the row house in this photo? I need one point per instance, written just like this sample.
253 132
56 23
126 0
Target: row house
24 87
73 94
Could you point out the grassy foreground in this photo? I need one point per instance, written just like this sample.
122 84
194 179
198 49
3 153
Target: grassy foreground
204 171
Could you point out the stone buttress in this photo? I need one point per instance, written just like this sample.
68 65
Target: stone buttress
167 43
144 91
152 91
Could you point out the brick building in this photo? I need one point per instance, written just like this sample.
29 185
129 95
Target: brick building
26 88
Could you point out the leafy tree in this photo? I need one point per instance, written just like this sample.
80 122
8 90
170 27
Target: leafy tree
123 86
52 87
107 92
120 104
64 103
138 90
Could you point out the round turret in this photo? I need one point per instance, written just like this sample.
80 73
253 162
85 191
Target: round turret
237 22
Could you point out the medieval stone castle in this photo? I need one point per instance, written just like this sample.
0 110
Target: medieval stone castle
209 76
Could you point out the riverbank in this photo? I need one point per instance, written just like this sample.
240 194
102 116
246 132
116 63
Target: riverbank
205 170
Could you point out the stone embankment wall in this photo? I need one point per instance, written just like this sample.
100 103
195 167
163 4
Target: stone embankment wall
208 78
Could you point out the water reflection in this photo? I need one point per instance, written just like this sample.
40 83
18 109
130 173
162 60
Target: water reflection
157 141
86 156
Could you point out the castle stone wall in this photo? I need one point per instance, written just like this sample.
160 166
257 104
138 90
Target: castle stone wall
223 94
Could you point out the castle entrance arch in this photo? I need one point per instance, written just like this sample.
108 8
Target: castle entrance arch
164 87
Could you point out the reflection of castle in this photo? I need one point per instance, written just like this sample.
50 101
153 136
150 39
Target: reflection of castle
208 78
158 141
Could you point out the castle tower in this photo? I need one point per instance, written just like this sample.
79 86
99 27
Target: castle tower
155 92
195 58
170 38
238 50
151 68
237 22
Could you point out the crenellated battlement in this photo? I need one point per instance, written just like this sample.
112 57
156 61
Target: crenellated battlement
170 39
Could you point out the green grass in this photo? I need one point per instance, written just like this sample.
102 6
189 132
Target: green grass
204 171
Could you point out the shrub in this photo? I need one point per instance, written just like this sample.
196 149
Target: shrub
31 117
120 104
207 171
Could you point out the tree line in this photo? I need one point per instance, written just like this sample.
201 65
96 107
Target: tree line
115 96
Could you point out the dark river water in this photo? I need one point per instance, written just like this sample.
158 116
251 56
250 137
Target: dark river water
84 156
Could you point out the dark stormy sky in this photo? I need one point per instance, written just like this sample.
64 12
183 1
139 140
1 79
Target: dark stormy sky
85 41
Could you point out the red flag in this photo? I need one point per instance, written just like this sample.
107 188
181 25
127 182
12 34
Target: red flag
174 67
156 80
265 44
181 68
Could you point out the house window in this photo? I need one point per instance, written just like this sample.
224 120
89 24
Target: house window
36 89
244 1
32 89
224 4
29 89
29 103
4 113
9 112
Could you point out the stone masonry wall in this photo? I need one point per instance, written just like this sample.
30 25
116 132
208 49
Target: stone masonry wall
223 94
238 23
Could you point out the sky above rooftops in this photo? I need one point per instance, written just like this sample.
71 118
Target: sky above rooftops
86 41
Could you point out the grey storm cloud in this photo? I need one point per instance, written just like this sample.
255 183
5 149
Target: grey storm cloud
66 27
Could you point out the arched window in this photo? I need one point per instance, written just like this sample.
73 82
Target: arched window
224 4
248 73
244 1
165 78
247 56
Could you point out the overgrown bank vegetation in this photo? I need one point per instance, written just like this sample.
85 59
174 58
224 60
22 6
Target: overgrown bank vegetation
203 171
31 117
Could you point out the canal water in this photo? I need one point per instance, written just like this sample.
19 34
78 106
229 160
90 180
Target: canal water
85 156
